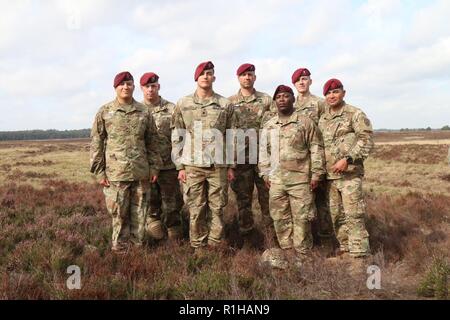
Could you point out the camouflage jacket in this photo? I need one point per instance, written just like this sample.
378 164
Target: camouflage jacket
250 112
123 140
311 107
301 154
162 113
346 133
195 116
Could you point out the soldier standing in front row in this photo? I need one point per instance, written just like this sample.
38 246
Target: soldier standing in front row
300 167
205 178
312 106
250 107
124 156
348 140
166 199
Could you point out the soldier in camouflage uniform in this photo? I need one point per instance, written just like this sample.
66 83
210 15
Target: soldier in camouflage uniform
125 160
166 198
203 172
300 167
348 140
250 107
313 107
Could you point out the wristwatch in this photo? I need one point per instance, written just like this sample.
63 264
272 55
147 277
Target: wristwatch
349 159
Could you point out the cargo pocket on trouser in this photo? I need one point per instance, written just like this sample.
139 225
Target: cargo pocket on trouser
115 206
195 200
280 212
217 200
358 237
303 212
139 207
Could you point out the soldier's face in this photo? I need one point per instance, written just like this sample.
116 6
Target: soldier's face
335 97
284 102
206 79
303 84
151 90
247 79
125 89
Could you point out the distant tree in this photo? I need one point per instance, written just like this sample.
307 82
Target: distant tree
446 127
428 129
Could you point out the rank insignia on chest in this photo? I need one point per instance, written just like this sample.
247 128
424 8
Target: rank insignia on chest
204 113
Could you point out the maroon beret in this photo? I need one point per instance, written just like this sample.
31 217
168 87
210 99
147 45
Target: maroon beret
245 67
149 77
123 76
282 88
300 73
331 85
202 67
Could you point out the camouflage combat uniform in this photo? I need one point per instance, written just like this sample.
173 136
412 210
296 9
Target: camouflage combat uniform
123 141
250 111
206 187
313 107
301 158
166 198
347 132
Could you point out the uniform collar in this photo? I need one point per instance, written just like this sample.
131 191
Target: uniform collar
330 115
292 119
301 103
251 98
161 106
206 102
125 107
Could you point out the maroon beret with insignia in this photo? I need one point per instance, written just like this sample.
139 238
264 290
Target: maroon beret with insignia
149 77
123 76
331 85
245 67
282 88
202 67
300 73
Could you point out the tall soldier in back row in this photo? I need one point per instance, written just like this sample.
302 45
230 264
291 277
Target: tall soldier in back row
348 140
125 158
250 107
166 198
312 106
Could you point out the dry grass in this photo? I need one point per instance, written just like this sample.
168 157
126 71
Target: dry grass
52 215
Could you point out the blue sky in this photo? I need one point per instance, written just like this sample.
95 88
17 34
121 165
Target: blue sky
58 58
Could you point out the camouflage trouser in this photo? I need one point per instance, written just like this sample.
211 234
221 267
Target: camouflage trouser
324 223
166 199
246 178
206 194
348 210
127 202
292 210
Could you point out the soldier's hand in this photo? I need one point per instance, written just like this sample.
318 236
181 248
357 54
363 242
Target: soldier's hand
154 179
231 175
314 184
340 166
182 176
105 182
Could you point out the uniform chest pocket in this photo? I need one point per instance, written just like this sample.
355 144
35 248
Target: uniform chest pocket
137 124
163 125
344 127
216 118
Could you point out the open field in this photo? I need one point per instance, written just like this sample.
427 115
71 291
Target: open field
52 215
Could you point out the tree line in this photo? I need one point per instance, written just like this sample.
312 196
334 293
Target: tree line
44 134
85 133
